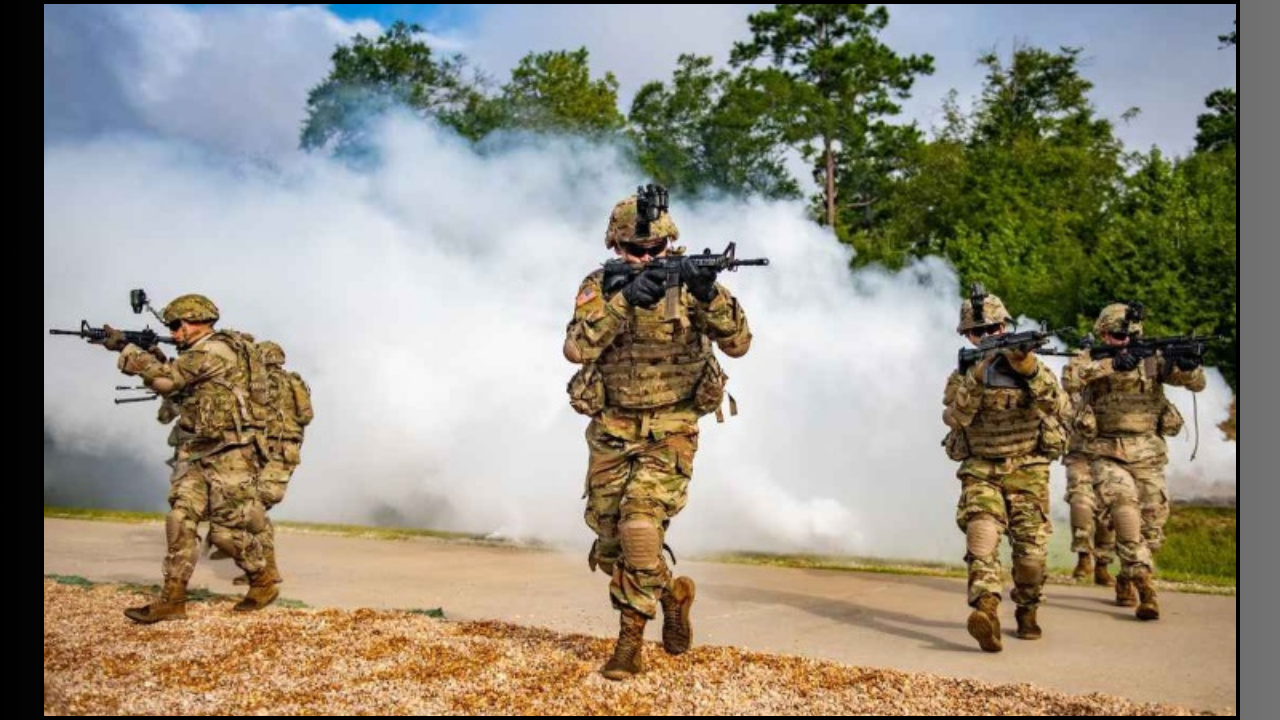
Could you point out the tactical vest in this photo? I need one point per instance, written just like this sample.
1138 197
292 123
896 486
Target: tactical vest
1127 404
1006 425
654 362
233 405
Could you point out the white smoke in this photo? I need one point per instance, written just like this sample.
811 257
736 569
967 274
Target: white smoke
426 304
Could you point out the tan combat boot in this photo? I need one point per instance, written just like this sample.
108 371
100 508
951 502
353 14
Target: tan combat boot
677 629
984 623
1149 609
262 592
1126 594
1084 566
172 605
1027 627
1102 575
272 572
628 654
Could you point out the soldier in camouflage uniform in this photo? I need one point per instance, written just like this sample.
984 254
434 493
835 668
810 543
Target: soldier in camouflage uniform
1092 537
645 382
216 463
1005 415
1123 415
291 412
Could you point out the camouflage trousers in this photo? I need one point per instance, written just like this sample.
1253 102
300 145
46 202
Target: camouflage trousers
1091 530
273 483
223 489
1017 498
1141 485
635 481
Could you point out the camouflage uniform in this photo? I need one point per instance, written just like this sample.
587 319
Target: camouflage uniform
216 463
1123 417
291 412
1006 427
645 382
1092 537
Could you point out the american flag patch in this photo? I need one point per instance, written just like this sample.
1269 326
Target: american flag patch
586 296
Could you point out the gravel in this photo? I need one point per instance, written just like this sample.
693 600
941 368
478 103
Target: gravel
283 661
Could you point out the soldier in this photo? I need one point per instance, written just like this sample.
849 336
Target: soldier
1005 417
1092 537
212 386
1124 415
645 382
291 412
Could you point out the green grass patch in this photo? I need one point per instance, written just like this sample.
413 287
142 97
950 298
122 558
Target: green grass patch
380 533
197 594
1199 546
429 612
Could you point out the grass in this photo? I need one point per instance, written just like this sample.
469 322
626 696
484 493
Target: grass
1199 552
366 531
1200 545
198 594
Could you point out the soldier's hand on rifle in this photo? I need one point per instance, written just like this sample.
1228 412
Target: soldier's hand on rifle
1023 361
112 339
1124 362
646 289
157 353
1188 362
700 280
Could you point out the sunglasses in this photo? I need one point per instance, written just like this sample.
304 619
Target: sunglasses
639 251
174 326
984 330
1119 335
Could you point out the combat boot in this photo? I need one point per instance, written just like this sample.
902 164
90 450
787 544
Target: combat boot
1149 609
1027 627
1102 575
984 623
172 605
628 654
262 592
1084 566
272 572
1126 594
677 629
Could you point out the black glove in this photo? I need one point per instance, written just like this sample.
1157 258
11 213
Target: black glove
700 280
1188 362
1124 362
646 289
615 278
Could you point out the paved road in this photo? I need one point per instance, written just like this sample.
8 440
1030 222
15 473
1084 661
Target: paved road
1188 657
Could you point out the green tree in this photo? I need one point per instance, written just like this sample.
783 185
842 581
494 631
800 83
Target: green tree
369 77
1218 128
554 92
709 132
1172 246
833 80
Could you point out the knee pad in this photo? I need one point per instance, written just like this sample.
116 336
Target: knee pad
1028 571
1128 523
641 542
982 536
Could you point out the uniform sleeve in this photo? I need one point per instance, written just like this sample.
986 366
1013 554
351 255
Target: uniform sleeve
596 322
961 400
1192 380
1049 396
724 320
189 368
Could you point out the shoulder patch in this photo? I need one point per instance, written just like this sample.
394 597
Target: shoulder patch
586 296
